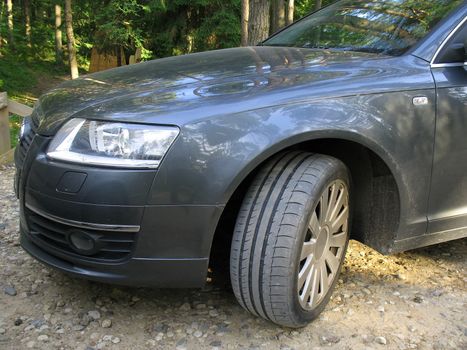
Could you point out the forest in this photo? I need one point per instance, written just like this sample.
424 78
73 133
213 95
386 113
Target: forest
43 42
65 32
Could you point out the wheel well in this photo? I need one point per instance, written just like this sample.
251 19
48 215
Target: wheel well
374 191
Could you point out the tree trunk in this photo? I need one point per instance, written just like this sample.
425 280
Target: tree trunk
279 15
58 35
71 40
245 20
290 11
318 4
27 20
258 28
9 14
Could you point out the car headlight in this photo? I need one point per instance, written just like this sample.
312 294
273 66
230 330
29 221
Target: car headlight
112 144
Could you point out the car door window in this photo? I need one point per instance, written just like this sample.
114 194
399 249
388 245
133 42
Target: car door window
455 49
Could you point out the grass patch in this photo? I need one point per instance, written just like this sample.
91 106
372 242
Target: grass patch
15 126
25 79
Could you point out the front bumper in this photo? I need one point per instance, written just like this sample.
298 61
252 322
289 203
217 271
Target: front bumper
133 243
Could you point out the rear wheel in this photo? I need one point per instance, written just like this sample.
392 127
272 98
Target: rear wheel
290 238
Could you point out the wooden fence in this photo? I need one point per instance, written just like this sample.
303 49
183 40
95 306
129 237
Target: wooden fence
8 107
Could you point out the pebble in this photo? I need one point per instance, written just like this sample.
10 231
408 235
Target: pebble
185 307
329 339
85 320
213 313
198 334
160 327
18 322
381 340
30 344
2 331
94 314
215 344
115 340
181 344
10 290
106 323
43 338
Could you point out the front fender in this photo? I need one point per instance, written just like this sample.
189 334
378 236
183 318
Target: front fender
213 156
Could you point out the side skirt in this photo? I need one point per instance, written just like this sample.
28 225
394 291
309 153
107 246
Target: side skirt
427 239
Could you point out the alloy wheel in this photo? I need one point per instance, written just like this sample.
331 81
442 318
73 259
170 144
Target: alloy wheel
324 245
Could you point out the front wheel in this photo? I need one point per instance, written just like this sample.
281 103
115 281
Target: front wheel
290 238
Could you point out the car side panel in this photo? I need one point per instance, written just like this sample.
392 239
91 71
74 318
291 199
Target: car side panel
213 156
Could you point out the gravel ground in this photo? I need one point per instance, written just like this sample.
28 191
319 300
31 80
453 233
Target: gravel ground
414 300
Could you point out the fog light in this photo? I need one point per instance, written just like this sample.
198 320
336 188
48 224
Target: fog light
82 242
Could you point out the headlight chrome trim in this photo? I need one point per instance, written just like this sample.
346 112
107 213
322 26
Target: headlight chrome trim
161 138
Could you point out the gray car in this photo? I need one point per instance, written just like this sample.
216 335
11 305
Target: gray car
350 123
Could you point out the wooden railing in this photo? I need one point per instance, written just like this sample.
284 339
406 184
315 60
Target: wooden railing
8 107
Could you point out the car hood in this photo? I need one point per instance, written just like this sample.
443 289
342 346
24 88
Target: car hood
177 90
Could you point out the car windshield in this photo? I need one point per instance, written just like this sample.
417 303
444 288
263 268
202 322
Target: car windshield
389 27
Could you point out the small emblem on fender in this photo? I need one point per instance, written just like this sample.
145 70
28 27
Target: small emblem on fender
420 101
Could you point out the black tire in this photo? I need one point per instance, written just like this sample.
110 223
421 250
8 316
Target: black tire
271 231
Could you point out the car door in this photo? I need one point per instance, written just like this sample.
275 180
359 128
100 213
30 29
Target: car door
448 198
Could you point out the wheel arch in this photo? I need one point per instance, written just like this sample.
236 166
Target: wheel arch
377 187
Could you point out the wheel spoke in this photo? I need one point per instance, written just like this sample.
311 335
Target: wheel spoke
332 262
304 272
308 249
340 220
324 279
332 202
314 295
323 208
338 205
313 225
308 288
338 240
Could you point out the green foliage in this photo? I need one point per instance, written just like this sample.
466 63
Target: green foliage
15 77
15 126
304 7
119 25
184 26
